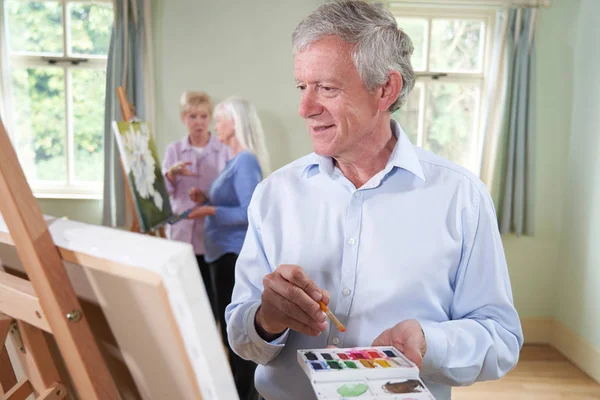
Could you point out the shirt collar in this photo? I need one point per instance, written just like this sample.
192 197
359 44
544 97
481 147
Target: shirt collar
210 146
403 156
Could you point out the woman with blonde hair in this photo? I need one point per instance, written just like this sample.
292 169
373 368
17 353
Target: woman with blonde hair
193 161
225 208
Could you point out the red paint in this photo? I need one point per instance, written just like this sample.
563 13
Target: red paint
374 354
343 356
357 356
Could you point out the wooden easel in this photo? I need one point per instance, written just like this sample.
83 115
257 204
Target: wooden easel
128 113
45 302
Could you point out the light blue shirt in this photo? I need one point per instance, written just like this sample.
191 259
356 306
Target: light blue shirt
230 193
419 240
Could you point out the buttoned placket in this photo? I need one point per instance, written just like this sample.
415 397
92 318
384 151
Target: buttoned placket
348 273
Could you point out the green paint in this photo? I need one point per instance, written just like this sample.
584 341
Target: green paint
352 389
334 365
350 364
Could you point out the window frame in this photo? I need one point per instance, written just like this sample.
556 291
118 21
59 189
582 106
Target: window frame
426 77
71 189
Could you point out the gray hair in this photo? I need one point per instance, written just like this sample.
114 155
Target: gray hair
380 47
248 128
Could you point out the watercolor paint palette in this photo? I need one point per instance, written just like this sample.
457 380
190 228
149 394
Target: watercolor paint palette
368 373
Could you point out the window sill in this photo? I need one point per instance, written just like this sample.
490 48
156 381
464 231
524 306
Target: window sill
92 192
67 196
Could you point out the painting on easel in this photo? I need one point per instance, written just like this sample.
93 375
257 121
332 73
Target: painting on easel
142 167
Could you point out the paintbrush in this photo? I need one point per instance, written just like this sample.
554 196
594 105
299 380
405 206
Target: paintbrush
336 321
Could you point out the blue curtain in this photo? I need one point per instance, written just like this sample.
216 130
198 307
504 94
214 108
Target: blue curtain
515 211
125 68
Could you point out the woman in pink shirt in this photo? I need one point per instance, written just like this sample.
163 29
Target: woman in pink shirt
193 162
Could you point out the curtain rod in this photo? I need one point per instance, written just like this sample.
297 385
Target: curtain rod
473 3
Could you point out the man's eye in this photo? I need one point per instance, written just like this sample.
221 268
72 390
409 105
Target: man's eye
327 89
301 87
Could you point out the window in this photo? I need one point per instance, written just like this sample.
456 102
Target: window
452 48
57 53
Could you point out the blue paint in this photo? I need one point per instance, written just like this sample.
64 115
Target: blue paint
317 366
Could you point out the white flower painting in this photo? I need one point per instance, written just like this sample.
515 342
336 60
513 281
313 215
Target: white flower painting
141 164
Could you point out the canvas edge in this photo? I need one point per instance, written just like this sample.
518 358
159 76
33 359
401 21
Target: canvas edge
166 274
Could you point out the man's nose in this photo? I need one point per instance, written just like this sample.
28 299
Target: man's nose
309 104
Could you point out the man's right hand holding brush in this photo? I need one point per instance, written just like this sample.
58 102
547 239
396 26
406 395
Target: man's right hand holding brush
290 300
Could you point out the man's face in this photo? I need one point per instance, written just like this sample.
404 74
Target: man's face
338 110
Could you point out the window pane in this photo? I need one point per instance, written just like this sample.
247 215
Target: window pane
34 26
88 123
39 104
450 120
408 115
416 29
90 27
456 45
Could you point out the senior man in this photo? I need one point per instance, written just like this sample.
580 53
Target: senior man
401 244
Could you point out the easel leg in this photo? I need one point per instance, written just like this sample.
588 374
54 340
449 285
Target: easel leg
20 392
42 376
37 361
56 392
8 378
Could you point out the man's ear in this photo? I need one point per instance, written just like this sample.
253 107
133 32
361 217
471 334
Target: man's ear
390 90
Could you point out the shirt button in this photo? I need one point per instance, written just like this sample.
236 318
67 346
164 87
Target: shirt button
335 341
346 292
351 241
357 194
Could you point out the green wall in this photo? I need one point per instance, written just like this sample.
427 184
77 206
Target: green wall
578 288
242 47
532 261
88 211
229 53
225 48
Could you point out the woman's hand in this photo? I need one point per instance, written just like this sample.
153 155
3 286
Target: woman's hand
197 196
179 168
202 211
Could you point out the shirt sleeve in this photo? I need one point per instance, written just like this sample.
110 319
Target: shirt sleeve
484 337
246 176
251 267
169 160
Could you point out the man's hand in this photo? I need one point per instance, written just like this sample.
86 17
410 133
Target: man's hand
408 337
290 300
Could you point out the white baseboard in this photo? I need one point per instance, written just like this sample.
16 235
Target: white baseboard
579 351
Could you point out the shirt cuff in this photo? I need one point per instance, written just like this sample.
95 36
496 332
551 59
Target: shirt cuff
170 187
219 216
437 346
274 346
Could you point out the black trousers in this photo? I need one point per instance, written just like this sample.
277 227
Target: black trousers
208 286
221 278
